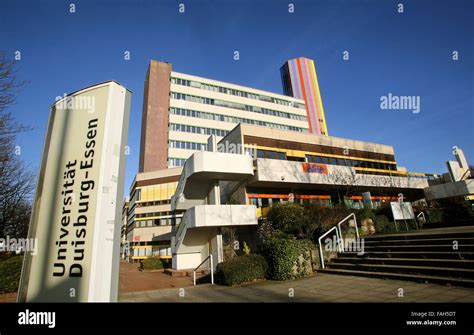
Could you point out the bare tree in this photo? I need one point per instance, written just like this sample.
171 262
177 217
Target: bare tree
16 179
345 183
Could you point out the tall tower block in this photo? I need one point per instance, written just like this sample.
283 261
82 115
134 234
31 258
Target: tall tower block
299 80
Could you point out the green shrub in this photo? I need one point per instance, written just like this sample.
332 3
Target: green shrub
10 271
241 269
435 215
151 264
365 213
383 225
286 217
287 258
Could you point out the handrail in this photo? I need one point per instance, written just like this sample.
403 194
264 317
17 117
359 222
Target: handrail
340 231
420 214
340 240
212 269
320 245
180 229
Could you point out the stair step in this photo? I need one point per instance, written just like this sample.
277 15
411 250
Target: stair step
402 276
466 264
413 254
437 241
407 269
423 247
420 235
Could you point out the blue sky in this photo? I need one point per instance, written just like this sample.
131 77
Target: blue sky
403 54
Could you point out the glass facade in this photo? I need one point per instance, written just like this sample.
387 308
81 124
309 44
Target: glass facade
235 105
232 119
187 145
238 93
350 162
197 130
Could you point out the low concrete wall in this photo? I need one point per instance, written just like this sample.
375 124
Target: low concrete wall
456 189
273 170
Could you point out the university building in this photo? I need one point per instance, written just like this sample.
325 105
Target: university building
180 112
215 154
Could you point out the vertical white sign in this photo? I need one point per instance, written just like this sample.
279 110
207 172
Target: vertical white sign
402 210
76 217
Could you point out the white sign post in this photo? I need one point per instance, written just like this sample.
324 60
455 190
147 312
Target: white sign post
76 214
402 211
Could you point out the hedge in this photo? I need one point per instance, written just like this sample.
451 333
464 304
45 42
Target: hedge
288 258
152 264
242 269
383 225
10 271
286 216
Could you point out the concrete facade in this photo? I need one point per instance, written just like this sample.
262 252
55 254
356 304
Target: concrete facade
449 190
240 145
199 193
155 118
457 183
180 111
150 223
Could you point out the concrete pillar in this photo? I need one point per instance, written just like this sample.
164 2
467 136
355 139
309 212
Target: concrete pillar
214 196
217 248
212 143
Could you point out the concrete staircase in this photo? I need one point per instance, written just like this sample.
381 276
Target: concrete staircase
424 256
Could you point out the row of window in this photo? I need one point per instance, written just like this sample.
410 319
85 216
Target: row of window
234 105
265 202
271 154
239 93
231 119
158 222
197 130
176 162
350 162
329 160
151 214
153 203
152 251
187 145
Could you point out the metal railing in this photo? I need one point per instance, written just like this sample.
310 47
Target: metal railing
339 238
180 230
417 221
422 214
320 245
340 231
211 267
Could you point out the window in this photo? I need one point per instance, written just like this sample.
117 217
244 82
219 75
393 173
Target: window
271 154
341 161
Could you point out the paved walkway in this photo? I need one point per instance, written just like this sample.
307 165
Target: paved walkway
133 280
7 297
321 287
